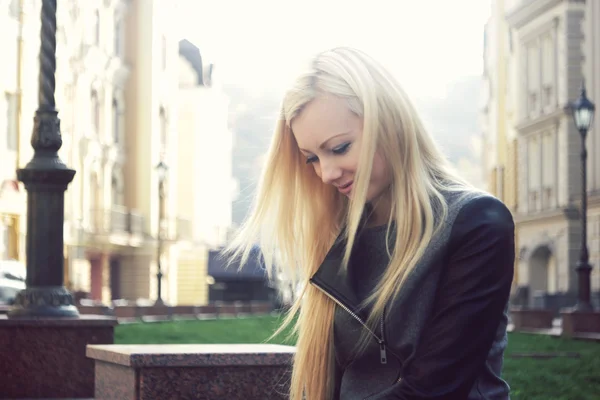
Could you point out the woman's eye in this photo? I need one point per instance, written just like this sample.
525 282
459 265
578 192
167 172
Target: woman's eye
311 159
341 149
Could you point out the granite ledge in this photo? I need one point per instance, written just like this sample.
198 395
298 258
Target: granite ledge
192 355
83 320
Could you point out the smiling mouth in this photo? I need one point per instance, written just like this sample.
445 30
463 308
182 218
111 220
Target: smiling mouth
345 189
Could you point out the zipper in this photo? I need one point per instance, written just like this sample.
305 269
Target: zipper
382 351
380 340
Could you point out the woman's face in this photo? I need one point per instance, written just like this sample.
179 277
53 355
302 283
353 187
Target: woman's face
329 136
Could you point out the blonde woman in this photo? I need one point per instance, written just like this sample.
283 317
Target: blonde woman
406 268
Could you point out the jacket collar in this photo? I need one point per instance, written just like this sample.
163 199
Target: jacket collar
334 281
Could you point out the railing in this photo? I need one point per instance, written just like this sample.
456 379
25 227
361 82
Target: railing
116 220
123 220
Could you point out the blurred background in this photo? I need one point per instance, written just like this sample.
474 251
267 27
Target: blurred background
167 107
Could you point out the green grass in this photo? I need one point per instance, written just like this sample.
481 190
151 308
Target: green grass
243 330
558 378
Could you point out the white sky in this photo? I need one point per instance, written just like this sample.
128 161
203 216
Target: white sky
428 44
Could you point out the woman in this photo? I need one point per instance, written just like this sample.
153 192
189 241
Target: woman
407 269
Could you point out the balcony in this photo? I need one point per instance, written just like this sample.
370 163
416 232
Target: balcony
117 220
121 221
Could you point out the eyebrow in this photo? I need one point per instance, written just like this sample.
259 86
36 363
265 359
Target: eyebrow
322 146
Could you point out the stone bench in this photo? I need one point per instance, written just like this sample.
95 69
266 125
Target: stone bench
191 371
527 319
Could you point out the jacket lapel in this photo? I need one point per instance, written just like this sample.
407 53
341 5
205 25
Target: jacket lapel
337 283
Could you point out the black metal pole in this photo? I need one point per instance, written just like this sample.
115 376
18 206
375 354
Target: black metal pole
159 275
583 266
45 178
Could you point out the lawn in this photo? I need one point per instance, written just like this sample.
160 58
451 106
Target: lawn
560 378
242 330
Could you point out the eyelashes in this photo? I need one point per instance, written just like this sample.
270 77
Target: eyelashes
339 150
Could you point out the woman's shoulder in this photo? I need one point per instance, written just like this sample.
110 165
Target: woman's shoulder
479 212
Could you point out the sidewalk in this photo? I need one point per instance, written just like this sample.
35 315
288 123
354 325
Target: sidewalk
556 331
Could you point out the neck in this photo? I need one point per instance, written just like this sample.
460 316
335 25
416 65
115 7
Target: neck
380 210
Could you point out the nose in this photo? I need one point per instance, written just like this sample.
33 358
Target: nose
329 172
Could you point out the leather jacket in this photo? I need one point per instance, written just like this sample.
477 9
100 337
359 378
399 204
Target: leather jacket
444 336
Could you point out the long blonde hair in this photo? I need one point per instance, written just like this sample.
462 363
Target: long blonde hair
296 217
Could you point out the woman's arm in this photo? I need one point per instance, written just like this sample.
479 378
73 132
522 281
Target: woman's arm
469 305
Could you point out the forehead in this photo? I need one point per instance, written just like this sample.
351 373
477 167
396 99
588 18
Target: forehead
323 118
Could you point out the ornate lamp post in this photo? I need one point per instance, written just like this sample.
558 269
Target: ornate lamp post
45 178
583 114
161 170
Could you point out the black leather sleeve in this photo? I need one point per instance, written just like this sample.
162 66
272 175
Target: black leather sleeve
468 307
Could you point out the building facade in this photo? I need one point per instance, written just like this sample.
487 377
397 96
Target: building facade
592 78
16 97
91 76
117 91
500 165
151 52
550 52
205 181
205 149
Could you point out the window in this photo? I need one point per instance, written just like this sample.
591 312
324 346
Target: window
533 78
13 8
95 113
97 27
163 132
547 71
11 121
116 121
118 36
500 182
9 237
507 73
94 202
164 52
4 242
66 112
548 170
533 173
116 189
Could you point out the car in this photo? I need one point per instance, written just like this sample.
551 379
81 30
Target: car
12 280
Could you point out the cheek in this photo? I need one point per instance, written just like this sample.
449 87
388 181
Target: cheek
317 169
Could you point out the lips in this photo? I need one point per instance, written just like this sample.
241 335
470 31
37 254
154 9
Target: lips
346 188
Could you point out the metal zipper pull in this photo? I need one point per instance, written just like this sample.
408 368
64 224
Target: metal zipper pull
382 352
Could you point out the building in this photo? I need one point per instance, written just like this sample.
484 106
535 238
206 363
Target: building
500 139
205 149
592 78
17 98
151 52
204 157
499 136
546 40
90 83
117 93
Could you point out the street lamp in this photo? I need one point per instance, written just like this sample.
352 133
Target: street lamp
161 170
46 178
583 114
